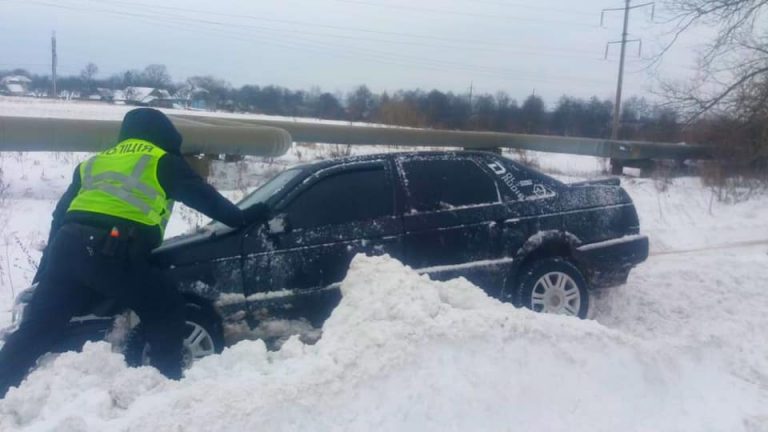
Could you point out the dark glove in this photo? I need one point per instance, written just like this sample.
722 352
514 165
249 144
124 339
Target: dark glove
256 214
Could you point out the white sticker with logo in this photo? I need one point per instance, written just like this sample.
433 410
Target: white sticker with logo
524 190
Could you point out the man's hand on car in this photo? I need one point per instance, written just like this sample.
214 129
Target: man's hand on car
258 213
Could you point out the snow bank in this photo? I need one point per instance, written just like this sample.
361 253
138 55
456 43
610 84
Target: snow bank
711 304
402 352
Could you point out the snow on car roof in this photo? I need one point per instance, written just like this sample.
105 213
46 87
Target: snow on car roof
389 155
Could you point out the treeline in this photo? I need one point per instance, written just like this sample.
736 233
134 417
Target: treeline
569 116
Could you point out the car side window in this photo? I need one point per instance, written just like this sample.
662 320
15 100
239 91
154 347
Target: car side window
443 184
349 196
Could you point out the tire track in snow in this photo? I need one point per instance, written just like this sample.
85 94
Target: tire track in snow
711 248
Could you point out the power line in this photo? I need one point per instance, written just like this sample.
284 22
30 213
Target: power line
561 52
473 42
166 18
293 33
383 57
518 5
373 55
401 60
461 13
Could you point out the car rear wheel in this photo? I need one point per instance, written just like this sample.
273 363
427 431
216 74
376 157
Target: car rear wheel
554 285
202 337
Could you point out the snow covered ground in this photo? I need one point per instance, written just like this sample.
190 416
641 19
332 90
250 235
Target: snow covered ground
32 107
681 347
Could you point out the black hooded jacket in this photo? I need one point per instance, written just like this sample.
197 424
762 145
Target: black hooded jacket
174 174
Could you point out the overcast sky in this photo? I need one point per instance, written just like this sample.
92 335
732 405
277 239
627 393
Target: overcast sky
552 47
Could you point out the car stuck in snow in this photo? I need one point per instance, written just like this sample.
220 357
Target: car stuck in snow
520 235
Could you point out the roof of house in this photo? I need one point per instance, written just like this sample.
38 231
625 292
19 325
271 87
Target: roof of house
189 92
139 94
105 92
145 94
14 88
15 79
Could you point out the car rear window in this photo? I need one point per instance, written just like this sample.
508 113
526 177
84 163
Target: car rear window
443 184
522 183
349 196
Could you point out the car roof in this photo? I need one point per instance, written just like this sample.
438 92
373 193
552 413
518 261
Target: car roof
314 166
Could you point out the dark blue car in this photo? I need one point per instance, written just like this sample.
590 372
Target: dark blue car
520 235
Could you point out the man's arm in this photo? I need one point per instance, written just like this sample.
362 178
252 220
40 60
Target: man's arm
64 202
182 183
58 218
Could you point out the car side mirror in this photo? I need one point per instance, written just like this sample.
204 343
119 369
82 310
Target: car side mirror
279 224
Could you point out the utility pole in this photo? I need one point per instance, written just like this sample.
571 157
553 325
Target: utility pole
620 81
53 65
471 86
616 166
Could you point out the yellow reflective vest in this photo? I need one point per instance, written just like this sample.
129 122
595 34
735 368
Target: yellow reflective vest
122 182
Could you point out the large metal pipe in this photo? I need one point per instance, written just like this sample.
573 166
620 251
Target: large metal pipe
372 135
217 135
60 134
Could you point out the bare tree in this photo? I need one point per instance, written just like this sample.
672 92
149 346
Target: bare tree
361 104
88 75
733 67
727 103
89 72
214 90
156 75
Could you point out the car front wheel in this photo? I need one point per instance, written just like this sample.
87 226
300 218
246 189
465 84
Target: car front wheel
554 285
202 337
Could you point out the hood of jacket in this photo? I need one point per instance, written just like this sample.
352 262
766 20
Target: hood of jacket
151 125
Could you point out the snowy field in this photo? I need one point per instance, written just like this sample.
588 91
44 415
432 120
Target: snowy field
682 346
32 107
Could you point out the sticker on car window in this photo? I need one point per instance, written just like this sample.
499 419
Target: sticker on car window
522 189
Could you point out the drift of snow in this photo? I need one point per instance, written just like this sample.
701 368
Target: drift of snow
401 352
680 347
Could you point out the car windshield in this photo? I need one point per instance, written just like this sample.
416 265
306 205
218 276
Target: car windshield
263 193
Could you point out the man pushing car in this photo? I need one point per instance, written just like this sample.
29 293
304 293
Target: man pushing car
104 227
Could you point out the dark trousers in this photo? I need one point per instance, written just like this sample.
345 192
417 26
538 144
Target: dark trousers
78 269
